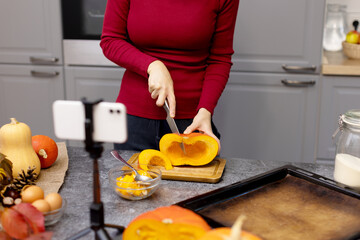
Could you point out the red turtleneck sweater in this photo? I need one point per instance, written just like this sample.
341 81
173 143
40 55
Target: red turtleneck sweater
193 38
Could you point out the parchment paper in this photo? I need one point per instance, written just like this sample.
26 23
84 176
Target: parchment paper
291 209
52 178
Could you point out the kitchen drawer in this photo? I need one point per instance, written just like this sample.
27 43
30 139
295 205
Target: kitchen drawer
31 32
27 93
279 36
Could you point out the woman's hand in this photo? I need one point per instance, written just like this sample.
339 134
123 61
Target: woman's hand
161 85
202 123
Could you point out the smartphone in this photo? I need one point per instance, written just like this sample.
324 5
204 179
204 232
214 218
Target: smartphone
109 121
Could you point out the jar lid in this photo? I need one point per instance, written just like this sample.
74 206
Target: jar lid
352 118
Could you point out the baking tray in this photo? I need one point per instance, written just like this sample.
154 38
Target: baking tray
284 203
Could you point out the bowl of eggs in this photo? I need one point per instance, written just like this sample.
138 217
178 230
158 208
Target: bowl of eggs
52 205
53 216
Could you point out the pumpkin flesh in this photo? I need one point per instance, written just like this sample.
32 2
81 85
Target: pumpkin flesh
153 157
224 233
200 149
145 229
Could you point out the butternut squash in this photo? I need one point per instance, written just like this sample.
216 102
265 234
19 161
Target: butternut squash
16 145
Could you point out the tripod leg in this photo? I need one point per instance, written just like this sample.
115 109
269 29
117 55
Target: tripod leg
120 229
102 234
80 234
115 226
97 215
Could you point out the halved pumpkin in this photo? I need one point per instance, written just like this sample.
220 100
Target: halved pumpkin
164 223
200 149
154 157
233 233
224 233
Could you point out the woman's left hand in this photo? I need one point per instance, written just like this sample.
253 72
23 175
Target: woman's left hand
202 123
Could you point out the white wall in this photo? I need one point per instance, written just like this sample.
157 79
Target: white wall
352 5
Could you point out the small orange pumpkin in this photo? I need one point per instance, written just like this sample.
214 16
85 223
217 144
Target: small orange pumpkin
165 223
233 233
200 149
154 157
46 149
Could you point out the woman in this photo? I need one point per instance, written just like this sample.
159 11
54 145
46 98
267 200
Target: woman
173 50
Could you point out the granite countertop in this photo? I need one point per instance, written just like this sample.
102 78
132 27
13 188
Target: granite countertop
336 63
77 189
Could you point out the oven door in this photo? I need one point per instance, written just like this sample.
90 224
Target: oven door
82 19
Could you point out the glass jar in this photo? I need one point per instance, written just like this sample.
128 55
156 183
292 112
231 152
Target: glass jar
335 28
347 157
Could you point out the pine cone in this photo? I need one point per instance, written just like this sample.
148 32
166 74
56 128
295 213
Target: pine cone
25 178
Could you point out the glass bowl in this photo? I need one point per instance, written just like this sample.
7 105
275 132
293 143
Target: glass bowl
121 181
53 217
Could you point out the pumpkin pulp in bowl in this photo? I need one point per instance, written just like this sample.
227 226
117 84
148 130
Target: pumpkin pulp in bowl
122 180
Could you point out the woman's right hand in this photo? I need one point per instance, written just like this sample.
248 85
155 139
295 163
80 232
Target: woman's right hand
161 85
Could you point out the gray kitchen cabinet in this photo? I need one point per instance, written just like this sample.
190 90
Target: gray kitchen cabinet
259 117
27 93
30 32
268 110
93 83
279 36
338 95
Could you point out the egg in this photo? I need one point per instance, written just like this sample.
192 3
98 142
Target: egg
31 194
42 205
54 200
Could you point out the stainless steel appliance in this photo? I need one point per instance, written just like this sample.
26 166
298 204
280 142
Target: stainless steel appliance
82 22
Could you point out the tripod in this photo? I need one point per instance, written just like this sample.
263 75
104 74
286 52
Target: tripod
96 208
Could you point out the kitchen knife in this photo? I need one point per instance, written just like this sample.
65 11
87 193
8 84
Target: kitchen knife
172 124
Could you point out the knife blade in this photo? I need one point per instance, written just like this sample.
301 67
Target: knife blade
172 124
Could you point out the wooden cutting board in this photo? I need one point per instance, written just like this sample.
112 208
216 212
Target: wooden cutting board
210 173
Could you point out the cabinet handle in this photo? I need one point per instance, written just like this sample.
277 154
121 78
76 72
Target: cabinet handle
298 68
40 60
44 74
95 14
290 83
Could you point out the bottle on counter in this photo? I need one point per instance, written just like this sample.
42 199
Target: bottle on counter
347 157
335 28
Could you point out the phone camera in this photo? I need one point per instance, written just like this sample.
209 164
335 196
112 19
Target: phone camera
117 111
